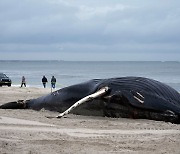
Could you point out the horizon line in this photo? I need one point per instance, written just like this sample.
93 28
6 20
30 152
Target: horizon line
100 60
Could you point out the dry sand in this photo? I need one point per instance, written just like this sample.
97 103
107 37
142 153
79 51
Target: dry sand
30 132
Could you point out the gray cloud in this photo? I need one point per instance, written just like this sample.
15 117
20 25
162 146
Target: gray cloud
129 29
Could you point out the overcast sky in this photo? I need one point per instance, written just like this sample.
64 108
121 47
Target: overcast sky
90 30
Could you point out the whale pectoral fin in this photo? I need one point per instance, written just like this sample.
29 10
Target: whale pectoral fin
99 93
20 104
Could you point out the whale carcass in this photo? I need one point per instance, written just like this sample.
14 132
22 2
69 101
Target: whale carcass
127 97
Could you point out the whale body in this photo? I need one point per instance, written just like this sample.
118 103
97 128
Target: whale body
127 97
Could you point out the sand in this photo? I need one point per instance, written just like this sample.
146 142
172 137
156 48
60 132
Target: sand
30 132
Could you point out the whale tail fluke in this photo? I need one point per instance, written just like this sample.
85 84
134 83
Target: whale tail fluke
20 104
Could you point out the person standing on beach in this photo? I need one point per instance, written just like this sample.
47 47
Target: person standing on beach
44 81
23 82
53 82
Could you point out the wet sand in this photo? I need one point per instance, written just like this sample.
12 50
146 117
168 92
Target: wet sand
29 131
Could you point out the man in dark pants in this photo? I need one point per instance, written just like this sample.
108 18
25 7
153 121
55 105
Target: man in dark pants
44 81
23 81
53 82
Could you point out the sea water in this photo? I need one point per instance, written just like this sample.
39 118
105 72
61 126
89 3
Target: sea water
73 72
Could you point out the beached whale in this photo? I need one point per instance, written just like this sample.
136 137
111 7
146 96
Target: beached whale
128 97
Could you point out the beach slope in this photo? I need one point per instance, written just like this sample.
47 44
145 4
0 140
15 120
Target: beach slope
29 131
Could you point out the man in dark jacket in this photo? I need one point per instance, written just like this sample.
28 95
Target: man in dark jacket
23 82
53 82
44 81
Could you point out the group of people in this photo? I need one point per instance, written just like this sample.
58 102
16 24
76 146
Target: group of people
44 81
53 81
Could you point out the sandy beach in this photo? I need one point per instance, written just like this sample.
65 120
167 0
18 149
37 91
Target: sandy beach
29 131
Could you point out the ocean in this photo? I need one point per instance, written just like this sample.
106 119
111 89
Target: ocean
73 72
